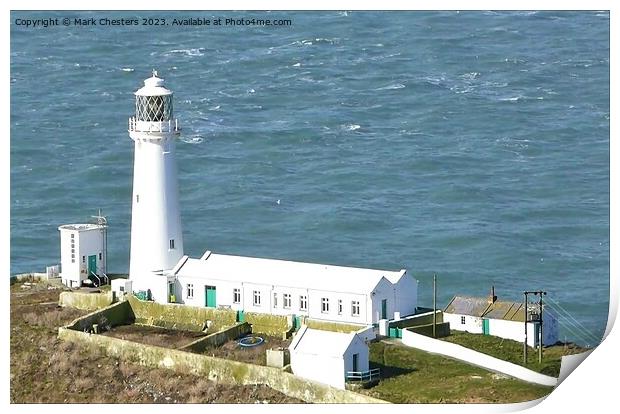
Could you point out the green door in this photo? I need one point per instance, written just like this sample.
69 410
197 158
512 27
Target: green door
485 326
210 297
92 264
384 309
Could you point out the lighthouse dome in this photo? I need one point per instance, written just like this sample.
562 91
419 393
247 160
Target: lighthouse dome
153 86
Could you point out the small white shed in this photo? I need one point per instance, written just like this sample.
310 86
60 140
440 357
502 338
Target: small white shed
82 254
326 356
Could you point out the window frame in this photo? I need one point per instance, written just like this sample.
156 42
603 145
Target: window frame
236 295
303 302
324 305
355 308
189 291
256 295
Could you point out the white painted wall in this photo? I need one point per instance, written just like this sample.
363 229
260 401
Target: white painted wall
320 368
515 330
473 324
406 295
437 346
88 241
224 296
357 346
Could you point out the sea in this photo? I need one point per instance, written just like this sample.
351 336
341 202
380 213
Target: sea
472 145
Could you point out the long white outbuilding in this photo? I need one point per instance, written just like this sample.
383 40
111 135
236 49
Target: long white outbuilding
282 287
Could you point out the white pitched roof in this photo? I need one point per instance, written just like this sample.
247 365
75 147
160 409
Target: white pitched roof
285 273
325 343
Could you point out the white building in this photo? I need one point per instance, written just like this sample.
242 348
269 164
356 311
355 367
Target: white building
489 316
327 357
82 254
280 287
158 267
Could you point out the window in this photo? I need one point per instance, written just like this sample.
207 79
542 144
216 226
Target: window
83 259
72 250
121 288
171 244
324 305
355 308
256 298
462 320
303 303
339 306
275 299
99 255
190 291
236 295
287 301
137 198
72 236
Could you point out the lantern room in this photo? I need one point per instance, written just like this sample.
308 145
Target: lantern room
154 112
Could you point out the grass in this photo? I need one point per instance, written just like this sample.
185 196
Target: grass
413 376
512 351
47 370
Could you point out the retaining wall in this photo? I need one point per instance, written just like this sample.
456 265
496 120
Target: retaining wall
441 330
216 369
273 325
417 320
333 326
459 352
119 313
86 300
218 338
183 317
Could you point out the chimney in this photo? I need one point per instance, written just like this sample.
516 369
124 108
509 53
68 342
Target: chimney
492 298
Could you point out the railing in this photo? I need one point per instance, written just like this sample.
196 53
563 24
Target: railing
106 279
97 277
363 376
136 125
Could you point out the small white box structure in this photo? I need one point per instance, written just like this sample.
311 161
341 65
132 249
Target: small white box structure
82 254
121 287
327 357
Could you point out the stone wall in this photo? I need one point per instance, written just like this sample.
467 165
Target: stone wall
116 314
417 320
218 338
333 326
216 369
273 325
441 330
86 300
177 316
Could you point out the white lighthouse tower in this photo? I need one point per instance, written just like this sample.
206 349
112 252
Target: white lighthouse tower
156 234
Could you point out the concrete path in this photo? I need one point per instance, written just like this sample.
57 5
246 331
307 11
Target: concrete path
470 356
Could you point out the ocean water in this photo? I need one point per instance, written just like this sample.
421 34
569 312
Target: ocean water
474 145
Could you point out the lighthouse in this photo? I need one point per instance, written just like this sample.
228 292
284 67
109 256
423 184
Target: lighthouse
156 234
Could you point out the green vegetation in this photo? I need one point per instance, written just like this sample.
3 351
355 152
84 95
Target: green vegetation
512 351
413 376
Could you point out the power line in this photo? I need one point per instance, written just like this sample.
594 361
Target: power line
575 323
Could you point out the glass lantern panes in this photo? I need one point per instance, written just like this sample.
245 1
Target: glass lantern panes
154 108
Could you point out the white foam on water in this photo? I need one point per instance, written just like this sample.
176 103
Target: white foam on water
391 87
127 69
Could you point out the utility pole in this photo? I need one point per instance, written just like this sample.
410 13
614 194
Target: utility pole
525 324
540 313
540 294
434 305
